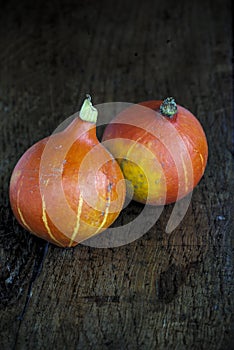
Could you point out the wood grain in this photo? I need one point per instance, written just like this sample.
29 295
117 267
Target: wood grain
159 292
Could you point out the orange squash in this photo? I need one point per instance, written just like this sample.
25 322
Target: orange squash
64 188
161 148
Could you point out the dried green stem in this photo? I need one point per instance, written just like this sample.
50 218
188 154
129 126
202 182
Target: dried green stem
168 108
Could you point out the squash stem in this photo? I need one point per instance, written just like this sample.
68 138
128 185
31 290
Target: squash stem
88 112
168 108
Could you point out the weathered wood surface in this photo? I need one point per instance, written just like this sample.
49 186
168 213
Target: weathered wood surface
162 291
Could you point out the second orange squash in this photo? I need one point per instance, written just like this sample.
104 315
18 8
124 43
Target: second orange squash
161 148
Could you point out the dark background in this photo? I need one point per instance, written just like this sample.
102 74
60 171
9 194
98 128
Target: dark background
162 291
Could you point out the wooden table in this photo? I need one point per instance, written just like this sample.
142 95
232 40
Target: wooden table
161 291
